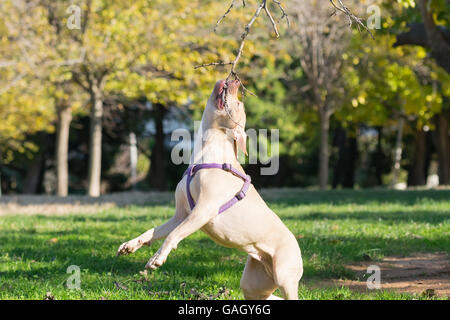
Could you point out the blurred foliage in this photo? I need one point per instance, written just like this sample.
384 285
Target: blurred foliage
384 82
148 51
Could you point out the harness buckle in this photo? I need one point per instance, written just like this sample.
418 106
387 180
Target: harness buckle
240 195
226 167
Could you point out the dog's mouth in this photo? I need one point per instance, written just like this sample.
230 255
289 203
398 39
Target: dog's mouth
223 92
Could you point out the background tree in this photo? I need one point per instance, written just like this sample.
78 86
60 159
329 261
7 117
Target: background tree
428 27
389 88
42 55
179 37
320 43
132 67
25 105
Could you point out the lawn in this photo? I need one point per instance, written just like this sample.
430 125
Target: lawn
333 228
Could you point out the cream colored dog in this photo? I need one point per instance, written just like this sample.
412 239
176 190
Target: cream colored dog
274 258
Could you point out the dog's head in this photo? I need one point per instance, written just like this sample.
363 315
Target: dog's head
229 112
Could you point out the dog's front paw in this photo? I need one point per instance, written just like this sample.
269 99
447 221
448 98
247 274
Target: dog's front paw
156 261
129 247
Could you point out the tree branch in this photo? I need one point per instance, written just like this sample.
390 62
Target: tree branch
350 16
274 25
225 14
440 48
262 5
283 13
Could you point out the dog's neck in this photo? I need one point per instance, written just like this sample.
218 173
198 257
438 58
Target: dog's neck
214 145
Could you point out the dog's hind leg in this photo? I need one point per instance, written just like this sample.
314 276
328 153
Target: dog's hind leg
256 283
287 270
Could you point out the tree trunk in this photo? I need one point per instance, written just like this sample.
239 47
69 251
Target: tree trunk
323 149
339 137
157 176
398 151
379 158
351 158
417 173
95 143
33 175
133 159
1 167
64 115
442 146
440 48
448 152
344 170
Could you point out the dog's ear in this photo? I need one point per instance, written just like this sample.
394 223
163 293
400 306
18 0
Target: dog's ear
240 141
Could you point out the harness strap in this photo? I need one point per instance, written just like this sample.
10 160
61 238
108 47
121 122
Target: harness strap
192 170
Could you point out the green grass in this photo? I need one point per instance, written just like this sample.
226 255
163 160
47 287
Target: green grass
333 228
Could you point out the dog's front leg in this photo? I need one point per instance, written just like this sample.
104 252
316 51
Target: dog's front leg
199 216
150 236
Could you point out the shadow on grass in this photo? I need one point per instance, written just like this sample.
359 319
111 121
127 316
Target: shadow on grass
434 216
196 258
347 196
323 255
428 216
287 196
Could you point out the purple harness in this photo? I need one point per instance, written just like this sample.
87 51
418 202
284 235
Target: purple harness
192 170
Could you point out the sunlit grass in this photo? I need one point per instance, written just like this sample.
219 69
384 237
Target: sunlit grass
333 228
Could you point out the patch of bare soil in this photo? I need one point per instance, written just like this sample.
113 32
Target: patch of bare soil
421 273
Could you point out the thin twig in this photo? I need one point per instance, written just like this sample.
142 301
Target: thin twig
284 14
262 5
220 63
274 25
243 87
350 16
225 14
12 83
243 38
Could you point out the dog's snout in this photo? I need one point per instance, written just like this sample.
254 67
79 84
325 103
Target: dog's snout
233 82
233 86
